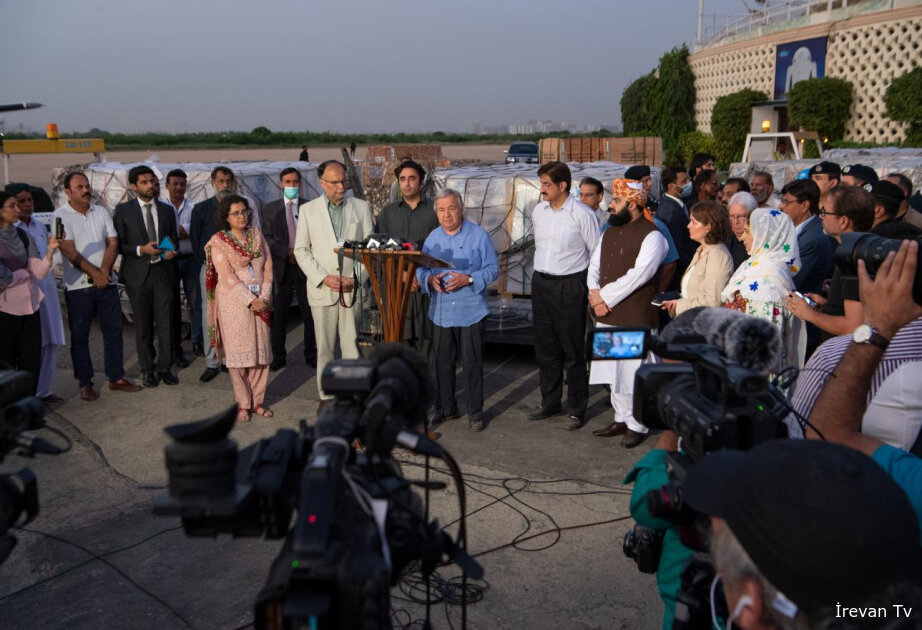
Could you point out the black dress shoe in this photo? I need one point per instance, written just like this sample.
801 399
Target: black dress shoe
149 380
615 428
168 378
276 365
475 421
209 374
544 412
437 416
198 349
574 423
633 438
180 361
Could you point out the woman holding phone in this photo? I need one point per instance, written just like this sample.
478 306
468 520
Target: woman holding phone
21 269
712 265
238 286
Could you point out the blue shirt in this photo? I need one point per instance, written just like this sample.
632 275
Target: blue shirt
906 470
673 254
469 251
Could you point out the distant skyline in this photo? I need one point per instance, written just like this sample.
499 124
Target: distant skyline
352 66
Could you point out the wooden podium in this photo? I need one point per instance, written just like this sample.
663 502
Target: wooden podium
392 273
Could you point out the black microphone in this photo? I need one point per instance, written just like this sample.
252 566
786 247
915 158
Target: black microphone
35 444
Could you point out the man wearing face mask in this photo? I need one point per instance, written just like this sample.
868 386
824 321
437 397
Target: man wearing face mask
674 213
786 556
622 284
280 221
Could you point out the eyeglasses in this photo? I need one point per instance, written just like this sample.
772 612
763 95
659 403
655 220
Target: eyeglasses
240 213
829 214
335 183
785 202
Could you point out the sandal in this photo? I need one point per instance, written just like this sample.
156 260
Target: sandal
243 415
265 412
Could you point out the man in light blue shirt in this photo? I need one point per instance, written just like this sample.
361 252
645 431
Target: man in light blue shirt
458 308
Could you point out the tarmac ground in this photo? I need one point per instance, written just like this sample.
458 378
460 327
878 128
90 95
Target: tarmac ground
97 557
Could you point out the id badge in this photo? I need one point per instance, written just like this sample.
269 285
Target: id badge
254 288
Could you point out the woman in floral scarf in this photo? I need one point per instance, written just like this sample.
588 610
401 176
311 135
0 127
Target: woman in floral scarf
238 285
761 285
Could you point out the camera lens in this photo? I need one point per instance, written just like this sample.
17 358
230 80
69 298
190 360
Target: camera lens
872 250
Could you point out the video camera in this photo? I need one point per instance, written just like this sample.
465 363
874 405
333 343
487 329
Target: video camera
711 404
873 251
20 415
359 523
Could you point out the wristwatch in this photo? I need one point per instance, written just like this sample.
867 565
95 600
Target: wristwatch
470 279
865 333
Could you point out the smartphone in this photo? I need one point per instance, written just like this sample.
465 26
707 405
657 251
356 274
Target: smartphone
58 228
810 303
659 298
614 344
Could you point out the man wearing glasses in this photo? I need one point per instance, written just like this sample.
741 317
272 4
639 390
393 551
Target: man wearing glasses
323 224
847 209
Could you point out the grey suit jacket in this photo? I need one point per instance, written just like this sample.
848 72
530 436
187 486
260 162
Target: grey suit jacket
315 242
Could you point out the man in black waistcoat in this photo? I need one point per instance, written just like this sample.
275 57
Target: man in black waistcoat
622 284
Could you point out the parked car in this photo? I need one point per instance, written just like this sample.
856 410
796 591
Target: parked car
523 152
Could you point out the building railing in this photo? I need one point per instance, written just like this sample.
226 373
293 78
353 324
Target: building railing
772 13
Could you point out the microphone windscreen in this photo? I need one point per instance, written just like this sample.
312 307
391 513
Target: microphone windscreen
744 340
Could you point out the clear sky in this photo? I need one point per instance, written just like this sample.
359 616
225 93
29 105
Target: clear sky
345 65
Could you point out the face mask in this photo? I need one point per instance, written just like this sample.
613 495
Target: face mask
291 192
686 189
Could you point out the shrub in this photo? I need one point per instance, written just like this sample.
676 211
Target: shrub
821 105
633 106
669 101
903 99
731 120
694 142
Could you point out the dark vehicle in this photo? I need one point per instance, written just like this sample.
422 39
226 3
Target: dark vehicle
523 152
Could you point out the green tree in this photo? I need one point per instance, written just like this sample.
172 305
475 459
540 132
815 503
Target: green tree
633 106
821 105
903 99
731 120
695 142
669 106
261 132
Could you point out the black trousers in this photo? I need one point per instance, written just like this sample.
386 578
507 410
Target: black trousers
287 280
152 305
558 306
448 344
21 344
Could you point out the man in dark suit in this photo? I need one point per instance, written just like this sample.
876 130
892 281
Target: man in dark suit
203 226
280 221
148 272
673 212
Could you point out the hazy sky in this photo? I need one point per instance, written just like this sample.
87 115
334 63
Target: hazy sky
346 65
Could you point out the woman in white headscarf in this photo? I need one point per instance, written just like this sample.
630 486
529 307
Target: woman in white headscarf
761 285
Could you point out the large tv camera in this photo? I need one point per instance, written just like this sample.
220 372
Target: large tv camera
359 523
20 415
711 403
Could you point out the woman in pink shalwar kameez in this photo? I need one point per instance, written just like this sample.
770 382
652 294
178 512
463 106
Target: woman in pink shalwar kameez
238 282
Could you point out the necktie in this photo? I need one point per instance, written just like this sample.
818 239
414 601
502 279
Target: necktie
151 230
290 218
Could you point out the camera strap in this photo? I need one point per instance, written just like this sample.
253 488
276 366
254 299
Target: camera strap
355 282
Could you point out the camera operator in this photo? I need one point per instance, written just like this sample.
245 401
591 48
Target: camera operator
724 329
889 357
806 534
840 413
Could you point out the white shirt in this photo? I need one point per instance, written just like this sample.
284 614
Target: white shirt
564 238
681 204
184 220
156 218
653 251
803 224
89 233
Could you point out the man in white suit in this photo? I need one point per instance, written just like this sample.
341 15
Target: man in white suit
323 224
